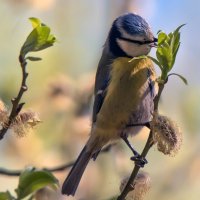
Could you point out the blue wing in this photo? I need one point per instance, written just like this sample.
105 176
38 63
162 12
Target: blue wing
101 82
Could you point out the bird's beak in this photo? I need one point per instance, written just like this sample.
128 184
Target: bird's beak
154 42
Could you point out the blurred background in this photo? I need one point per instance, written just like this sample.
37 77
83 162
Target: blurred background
61 85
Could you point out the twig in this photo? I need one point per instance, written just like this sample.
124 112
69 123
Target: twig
8 172
63 167
146 149
157 98
16 105
136 169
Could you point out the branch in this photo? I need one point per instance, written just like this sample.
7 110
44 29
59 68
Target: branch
157 98
16 105
8 172
145 151
59 168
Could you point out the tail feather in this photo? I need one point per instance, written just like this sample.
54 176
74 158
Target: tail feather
73 179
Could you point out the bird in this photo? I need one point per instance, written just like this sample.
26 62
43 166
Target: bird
124 92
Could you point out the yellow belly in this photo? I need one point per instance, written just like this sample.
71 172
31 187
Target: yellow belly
125 91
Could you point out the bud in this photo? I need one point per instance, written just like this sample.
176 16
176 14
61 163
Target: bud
24 122
140 187
166 134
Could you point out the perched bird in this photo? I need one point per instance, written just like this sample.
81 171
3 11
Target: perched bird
124 92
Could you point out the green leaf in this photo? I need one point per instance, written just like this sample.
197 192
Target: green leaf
172 41
163 56
36 40
180 76
33 58
178 29
175 53
168 46
39 38
137 58
155 61
161 37
159 31
170 35
176 42
35 22
6 196
32 180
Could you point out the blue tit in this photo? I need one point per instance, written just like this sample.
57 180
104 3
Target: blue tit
124 91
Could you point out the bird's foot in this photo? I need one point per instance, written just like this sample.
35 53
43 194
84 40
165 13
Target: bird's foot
139 160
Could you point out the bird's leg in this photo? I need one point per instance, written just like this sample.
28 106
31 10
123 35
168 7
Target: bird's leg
137 158
124 137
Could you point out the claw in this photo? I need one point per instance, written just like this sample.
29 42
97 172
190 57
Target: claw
139 160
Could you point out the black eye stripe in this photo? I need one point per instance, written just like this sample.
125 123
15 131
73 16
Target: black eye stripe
137 41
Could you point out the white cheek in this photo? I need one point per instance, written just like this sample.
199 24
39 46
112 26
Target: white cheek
146 48
129 48
132 49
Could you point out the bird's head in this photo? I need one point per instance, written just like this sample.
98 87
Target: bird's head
130 36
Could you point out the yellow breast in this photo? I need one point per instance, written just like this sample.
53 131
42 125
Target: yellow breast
126 89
